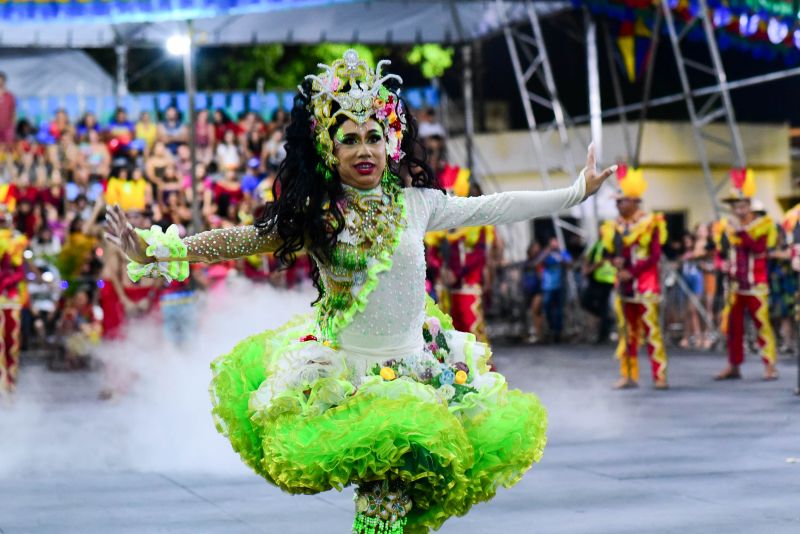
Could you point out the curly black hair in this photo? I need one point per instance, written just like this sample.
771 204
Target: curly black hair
305 201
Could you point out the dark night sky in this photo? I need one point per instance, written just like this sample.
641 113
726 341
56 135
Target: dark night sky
769 102
777 101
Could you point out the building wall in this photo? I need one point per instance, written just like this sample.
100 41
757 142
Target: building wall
668 157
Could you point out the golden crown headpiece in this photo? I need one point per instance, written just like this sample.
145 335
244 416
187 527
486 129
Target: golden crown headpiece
365 97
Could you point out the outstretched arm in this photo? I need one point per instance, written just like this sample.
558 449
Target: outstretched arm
501 208
207 247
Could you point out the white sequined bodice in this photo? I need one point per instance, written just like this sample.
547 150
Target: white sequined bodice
392 320
396 306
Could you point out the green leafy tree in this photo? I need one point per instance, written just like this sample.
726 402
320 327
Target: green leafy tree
431 59
281 67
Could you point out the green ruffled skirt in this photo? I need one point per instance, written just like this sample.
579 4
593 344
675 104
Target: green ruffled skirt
296 415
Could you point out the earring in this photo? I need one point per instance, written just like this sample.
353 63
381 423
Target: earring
326 173
387 178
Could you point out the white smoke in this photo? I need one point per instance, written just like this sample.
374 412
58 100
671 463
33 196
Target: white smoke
160 420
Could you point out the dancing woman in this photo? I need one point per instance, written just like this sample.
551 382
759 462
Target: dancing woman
376 388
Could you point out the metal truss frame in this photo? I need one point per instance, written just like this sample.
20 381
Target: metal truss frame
531 61
716 105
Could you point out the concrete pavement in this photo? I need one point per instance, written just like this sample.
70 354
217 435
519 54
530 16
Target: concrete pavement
703 457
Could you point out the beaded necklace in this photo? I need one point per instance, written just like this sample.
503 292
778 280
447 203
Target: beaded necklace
373 223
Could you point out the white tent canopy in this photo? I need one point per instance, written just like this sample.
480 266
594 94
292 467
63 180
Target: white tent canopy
290 22
53 73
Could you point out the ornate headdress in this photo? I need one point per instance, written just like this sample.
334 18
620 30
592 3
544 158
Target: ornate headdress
360 94
631 182
743 185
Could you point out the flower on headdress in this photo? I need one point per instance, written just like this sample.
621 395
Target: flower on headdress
434 326
387 373
366 96
446 391
447 377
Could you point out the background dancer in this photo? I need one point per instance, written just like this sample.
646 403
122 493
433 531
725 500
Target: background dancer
745 241
635 240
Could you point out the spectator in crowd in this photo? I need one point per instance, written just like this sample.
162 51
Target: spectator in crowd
84 186
532 284
65 154
183 162
146 130
689 271
228 153
251 178
88 123
248 122
120 133
8 115
204 183
172 131
55 183
600 276
45 247
60 124
254 143
227 192
274 151
80 327
160 159
712 284
280 119
555 264
94 156
223 123
204 138
783 292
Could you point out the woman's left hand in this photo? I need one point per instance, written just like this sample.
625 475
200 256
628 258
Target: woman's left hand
594 179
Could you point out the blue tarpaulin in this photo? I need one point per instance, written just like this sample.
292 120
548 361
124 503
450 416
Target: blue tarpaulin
105 23
131 11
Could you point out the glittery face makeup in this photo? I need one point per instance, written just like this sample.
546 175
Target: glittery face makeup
361 151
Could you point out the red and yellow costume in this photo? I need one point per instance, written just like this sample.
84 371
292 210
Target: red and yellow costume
744 250
636 244
464 253
9 194
791 228
12 299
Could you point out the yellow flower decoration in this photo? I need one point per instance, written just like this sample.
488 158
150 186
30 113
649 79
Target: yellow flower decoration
387 373
461 377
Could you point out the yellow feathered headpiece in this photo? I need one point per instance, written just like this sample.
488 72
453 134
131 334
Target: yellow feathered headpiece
631 182
743 185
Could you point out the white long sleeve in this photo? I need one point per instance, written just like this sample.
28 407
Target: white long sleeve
499 208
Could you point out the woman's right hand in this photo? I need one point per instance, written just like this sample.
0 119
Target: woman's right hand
121 233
